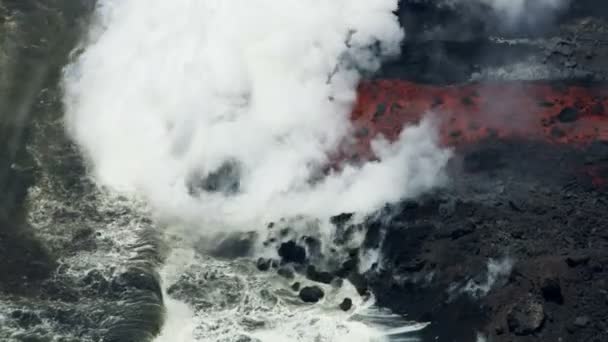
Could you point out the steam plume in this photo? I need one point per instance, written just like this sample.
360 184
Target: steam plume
226 111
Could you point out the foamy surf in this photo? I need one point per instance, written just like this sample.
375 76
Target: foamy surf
210 299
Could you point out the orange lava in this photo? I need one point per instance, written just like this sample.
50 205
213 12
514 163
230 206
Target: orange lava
554 113
468 113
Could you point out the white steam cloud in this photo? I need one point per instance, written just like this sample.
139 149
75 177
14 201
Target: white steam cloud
166 93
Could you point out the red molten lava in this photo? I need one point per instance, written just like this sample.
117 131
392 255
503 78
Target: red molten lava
468 113
550 112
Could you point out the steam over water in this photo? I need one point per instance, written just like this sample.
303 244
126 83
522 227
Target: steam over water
223 115
226 112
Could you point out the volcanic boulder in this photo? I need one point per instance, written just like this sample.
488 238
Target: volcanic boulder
263 264
526 317
346 304
552 291
292 252
311 294
318 276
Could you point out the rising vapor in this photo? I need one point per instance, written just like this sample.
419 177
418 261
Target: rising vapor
225 112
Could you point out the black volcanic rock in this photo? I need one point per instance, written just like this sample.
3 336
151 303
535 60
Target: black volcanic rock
295 286
526 317
577 260
341 220
582 321
286 272
292 252
319 276
311 294
568 115
551 290
552 234
263 264
346 304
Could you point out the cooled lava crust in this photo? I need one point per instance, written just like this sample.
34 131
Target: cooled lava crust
527 184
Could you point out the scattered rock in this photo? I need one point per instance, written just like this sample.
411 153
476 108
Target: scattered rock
320 277
286 272
263 264
568 115
340 220
346 304
348 267
526 317
311 294
578 323
226 179
551 290
295 286
577 260
582 321
244 338
292 252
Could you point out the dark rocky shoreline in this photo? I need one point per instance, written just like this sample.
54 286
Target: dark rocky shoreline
518 211
512 251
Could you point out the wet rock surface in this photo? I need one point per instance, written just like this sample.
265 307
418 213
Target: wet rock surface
548 223
515 251
526 317
311 294
346 304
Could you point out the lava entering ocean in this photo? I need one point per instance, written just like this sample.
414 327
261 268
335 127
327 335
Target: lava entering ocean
552 112
468 113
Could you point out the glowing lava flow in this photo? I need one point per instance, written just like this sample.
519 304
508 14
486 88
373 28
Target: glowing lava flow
572 114
467 113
